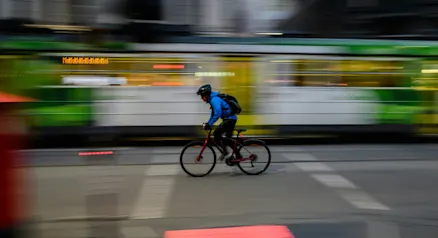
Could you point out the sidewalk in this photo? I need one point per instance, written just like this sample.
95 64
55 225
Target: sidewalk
135 150
173 150
280 154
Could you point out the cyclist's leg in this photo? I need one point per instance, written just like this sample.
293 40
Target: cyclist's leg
228 128
217 134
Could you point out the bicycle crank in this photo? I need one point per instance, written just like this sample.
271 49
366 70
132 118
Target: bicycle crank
229 161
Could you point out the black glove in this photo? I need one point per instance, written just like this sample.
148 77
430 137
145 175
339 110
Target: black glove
206 126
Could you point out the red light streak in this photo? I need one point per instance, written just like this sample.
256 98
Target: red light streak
95 153
168 66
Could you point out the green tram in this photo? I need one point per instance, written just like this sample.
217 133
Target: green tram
305 86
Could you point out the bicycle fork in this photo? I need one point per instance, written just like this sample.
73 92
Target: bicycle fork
199 157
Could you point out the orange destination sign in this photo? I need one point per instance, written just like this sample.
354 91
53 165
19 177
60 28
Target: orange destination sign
84 60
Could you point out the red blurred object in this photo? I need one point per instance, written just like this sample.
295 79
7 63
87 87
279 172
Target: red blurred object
234 232
96 153
10 98
12 181
168 66
9 181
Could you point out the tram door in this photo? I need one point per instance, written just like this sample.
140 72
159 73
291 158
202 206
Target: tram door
239 80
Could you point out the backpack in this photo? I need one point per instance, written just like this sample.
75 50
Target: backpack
232 102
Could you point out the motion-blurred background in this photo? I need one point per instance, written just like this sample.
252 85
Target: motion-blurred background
102 76
128 70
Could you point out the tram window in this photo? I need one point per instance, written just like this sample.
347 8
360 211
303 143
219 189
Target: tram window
310 73
373 73
326 80
356 80
118 65
145 74
168 72
317 73
317 65
350 73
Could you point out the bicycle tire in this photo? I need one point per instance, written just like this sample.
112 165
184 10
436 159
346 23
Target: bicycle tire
257 142
191 144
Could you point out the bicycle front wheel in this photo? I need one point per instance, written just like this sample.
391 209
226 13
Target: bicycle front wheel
257 155
195 163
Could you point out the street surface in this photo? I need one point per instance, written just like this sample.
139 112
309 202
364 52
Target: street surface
340 191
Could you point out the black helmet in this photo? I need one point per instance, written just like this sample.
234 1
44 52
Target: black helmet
205 89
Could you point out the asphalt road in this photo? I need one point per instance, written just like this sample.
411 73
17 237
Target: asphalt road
317 191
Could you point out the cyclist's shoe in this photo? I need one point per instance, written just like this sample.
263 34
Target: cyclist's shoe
225 156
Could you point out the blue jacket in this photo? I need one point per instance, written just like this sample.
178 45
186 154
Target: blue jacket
219 109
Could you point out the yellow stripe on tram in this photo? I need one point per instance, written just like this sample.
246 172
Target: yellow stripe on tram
252 121
428 129
429 123
15 57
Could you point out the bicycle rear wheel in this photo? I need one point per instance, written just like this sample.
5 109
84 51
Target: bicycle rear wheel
262 153
189 157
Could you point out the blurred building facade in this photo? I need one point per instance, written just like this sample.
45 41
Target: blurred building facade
319 18
201 15
84 12
365 18
242 16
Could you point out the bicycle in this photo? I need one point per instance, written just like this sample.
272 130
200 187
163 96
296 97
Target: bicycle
236 158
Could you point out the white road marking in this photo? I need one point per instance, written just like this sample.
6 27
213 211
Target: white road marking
314 167
362 200
299 157
346 188
333 181
155 193
163 170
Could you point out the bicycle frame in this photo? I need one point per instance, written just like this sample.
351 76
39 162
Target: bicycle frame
238 141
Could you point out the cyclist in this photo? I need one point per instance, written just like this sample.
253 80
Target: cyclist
219 109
